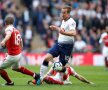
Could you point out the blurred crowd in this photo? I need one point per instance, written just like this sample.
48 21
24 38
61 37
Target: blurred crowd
35 16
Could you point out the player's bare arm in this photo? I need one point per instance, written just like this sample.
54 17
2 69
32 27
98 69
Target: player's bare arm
81 78
53 27
7 37
21 44
62 31
68 33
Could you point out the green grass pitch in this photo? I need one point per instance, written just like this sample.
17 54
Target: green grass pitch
98 75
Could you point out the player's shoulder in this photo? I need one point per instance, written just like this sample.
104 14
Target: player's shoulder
104 34
71 20
9 28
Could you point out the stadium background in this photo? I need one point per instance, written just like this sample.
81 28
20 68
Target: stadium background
32 18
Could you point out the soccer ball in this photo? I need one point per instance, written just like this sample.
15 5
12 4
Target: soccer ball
57 66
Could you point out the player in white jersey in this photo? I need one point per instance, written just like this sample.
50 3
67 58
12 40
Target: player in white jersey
104 41
64 46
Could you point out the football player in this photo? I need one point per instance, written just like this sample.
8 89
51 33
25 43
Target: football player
58 77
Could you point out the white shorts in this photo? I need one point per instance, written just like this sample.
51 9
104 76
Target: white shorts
11 61
105 51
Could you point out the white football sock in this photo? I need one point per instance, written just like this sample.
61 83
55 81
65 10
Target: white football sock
43 71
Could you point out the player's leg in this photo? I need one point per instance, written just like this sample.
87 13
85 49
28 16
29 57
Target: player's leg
48 80
53 52
24 70
5 76
105 54
5 64
51 80
44 65
56 80
106 62
65 54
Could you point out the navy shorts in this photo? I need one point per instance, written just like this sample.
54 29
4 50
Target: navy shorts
64 52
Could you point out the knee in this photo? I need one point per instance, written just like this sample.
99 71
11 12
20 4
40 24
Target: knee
48 57
1 71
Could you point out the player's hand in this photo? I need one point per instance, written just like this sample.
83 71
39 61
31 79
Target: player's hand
62 31
2 43
52 27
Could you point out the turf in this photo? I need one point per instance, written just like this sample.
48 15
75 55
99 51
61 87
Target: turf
98 75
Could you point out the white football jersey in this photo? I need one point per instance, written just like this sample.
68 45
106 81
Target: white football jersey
68 25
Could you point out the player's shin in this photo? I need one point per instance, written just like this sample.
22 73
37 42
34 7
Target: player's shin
43 69
106 62
5 76
24 71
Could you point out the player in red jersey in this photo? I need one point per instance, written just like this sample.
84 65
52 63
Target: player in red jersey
13 43
57 77
104 40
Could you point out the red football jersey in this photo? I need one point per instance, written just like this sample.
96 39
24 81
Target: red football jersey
70 72
105 40
13 44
